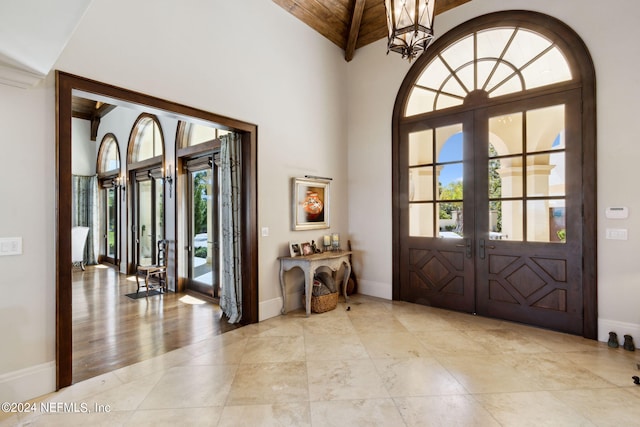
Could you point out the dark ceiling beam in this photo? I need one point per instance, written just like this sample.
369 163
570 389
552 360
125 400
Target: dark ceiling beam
354 29
105 109
92 111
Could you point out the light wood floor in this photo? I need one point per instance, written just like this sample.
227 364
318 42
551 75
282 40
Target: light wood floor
111 330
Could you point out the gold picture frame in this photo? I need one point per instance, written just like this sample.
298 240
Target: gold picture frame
311 205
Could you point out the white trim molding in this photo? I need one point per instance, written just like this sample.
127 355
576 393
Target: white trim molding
375 289
270 308
29 383
620 328
16 77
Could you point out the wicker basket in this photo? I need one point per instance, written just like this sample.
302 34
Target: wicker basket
322 303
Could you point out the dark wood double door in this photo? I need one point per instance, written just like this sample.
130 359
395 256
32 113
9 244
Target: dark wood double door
490 215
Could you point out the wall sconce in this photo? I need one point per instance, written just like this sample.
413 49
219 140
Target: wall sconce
168 178
119 183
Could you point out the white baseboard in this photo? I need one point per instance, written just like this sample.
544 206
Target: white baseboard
28 383
620 328
273 307
375 289
269 309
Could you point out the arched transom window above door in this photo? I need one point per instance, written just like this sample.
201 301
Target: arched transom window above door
147 139
491 62
108 155
191 134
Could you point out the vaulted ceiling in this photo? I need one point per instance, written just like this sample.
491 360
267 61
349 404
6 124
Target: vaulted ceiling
350 24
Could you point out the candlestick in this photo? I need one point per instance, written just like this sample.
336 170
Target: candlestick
335 241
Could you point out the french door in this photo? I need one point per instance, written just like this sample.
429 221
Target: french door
110 232
492 218
148 228
204 226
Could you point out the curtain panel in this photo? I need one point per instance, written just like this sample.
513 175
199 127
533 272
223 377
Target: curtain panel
85 212
230 197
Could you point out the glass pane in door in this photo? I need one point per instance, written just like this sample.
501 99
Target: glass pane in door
159 214
450 181
436 181
111 222
145 223
527 176
202 255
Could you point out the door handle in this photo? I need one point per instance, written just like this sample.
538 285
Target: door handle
467 246
483 247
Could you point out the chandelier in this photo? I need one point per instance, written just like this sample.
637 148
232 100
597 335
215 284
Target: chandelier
410 24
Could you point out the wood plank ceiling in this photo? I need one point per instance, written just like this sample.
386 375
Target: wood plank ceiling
350 24
90 110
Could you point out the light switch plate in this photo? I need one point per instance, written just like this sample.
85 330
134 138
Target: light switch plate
617 212
617 234
265 231
10 246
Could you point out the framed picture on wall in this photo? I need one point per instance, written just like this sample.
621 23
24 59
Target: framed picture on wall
310 203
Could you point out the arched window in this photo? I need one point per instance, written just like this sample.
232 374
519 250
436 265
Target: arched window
496 61
108 155
494 169
147 139
191 134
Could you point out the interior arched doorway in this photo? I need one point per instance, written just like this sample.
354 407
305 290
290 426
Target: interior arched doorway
518 88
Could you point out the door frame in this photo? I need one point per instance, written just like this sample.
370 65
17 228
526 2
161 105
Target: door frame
66 86
581 64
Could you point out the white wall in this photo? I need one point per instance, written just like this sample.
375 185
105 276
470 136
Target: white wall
27 281
609 33
249 60
83 150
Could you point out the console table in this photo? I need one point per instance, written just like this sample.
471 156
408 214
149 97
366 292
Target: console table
309 264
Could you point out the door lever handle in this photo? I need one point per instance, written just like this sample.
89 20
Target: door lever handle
483 247
467 246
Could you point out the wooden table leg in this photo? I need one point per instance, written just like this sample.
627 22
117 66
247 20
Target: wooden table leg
284 294
308 289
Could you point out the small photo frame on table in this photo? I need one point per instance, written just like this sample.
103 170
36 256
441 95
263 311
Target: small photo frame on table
310 203
294 249
306 249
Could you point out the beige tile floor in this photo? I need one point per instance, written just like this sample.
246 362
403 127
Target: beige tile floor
381 363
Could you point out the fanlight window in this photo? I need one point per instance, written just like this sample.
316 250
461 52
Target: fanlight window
194 134
109 155
148 141
497 61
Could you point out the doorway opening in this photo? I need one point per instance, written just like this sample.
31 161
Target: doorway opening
68 87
